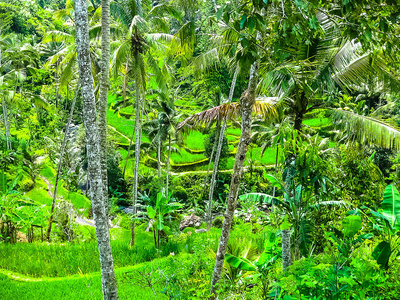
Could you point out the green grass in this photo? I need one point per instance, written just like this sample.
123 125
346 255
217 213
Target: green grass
39 193
317 122
59 260
48 172
195 140
234 131
76 198
186 157
82 286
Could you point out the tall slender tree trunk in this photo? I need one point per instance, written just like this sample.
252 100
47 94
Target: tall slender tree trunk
103 97
6 123
214 174
60 161
286 252
138 130
300 111
159 162
214 149
169 157
246 106
98 196
218 152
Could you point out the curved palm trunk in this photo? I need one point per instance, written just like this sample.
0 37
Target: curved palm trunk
6 123
129 150
60 161
103 98
138 130
109 283
214 174
159 163
246 103
169 157
218 153
211 160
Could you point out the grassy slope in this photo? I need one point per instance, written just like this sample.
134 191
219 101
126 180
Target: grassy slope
40 192
195 141
79 286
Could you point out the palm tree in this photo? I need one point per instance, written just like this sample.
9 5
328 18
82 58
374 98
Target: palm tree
104 87
161 131
317 69
93 151
64 57
133 56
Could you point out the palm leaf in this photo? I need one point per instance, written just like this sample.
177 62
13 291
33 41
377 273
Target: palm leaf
367 130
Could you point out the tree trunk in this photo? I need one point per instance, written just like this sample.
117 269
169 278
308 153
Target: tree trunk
246 106
214 174
138 129
300 111
6 123
218 152
286 253
211 159
159 162
276 168
60 161
103 97
109 283
169 157
129 150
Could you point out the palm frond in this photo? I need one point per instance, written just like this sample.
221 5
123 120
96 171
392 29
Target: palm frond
265 107
367 130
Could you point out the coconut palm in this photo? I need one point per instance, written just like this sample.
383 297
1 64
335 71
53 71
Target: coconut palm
161 131
64 57
109 283
315 70
134 55
104 87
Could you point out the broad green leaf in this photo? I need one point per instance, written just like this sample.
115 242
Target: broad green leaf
268 249
151 212
391 206
242 21
252 24
351 224
240 263
382 253
275 182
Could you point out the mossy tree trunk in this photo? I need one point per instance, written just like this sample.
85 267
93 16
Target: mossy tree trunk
138 133
103 98
98 196
246 107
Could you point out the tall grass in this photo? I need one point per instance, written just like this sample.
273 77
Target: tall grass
59 260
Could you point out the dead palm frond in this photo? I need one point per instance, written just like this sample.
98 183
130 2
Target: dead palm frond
264 106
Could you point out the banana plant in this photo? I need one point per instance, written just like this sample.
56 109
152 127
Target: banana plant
158 213
260 267
391 217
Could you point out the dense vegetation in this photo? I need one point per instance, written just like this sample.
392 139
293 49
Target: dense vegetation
230 150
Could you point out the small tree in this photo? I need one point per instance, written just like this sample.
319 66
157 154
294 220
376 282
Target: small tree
158 213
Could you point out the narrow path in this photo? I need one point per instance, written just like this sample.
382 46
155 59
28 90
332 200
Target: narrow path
120 133
49 186
79 219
